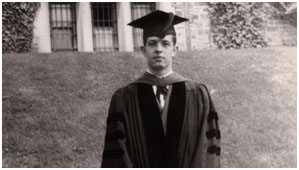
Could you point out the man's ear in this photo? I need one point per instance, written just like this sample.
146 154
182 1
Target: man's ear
175 50
142 49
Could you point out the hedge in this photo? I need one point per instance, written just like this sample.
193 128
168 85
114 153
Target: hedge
237 25
17 26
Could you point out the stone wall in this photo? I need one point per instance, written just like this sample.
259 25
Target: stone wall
197 29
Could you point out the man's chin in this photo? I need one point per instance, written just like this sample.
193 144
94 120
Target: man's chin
158 67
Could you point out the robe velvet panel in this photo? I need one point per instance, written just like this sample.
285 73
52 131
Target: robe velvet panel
194 147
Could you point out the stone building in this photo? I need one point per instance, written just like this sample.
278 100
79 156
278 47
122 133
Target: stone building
102 26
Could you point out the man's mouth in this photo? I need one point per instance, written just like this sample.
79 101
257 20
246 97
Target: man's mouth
158 57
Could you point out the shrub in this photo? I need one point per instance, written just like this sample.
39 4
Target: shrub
283 10
17 25
237 25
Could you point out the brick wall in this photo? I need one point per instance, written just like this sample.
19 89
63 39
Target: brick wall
196 35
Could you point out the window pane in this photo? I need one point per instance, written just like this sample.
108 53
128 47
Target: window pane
63 26
104 26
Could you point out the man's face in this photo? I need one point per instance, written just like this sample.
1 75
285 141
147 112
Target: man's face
159 52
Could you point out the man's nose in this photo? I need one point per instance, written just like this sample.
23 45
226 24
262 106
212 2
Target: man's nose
159 48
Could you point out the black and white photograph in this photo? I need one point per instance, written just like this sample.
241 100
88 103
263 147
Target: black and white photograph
149 84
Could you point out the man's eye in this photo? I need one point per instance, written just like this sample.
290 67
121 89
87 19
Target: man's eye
151 43
166 43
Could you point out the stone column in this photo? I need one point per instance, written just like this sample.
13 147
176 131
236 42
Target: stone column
41 31
84 27
125 32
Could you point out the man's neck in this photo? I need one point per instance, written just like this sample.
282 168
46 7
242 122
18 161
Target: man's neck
160 75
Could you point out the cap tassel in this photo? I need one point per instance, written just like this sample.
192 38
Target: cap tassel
168 23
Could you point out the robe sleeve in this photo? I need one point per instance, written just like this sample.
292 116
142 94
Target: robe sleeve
207 152
115 153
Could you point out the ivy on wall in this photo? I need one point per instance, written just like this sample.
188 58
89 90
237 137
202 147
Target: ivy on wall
237 25
17 26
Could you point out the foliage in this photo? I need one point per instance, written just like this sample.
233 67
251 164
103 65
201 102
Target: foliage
283 10
17 25
237 25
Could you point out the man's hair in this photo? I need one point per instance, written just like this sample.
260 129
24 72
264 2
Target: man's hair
173 39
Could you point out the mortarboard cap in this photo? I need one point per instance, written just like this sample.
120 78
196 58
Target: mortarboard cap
157 23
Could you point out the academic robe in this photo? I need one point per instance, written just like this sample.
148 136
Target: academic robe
135 136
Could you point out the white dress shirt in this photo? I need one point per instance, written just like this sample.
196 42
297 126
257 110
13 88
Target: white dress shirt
161 98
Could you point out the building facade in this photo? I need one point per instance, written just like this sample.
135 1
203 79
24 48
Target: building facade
102 26
90 27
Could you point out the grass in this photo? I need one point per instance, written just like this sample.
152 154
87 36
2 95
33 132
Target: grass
55 105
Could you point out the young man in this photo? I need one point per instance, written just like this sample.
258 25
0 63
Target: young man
162 119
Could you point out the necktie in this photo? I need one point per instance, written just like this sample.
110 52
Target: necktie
161 90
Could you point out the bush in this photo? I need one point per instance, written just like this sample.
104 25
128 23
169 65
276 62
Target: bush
17 25
284 11
237 25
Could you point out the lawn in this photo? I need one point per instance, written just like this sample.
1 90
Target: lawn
55 105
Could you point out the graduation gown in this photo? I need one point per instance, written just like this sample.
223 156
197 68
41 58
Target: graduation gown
135 136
